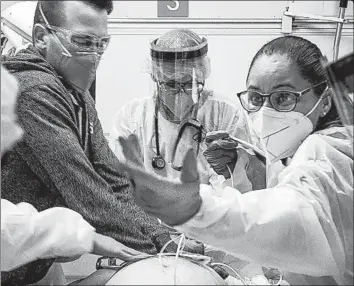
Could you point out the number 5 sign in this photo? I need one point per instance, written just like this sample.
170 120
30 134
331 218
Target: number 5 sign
172 8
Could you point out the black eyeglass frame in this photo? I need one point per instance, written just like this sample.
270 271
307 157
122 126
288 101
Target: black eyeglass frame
263 96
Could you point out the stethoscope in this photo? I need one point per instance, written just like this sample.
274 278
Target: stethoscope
158 162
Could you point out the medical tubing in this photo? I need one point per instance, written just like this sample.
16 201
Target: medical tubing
231 175
179 248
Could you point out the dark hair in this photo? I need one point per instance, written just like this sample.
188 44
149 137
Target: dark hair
54 10
308 59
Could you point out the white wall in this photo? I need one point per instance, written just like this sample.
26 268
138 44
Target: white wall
229 9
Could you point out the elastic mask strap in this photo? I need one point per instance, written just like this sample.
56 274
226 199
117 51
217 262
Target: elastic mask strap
66 52
317 103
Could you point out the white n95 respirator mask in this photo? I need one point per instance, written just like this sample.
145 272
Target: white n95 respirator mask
281 133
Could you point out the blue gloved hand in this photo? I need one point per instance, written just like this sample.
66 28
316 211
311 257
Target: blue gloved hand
221 152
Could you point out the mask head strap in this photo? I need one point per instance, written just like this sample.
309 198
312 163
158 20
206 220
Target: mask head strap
65 51
167 54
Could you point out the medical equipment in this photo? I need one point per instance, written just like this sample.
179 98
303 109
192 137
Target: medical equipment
341 78
259 153
288 18
343 4
158 162
194 129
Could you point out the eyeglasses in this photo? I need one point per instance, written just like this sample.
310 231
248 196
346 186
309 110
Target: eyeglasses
192 129
280 100
173 87
82 41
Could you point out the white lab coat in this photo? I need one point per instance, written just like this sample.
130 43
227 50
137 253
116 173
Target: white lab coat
28 235
137 117
302 226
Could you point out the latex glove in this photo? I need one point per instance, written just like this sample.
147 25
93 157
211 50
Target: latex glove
221 151
174 201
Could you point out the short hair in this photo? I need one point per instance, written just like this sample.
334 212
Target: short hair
54 10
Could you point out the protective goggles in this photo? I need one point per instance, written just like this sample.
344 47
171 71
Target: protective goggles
174 87
280 100
81 41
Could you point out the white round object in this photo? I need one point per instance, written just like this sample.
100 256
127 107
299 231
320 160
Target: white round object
150 272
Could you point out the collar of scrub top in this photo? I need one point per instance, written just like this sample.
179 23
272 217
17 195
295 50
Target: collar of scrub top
169 54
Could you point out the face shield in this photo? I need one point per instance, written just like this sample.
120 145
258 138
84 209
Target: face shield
179 76
341 78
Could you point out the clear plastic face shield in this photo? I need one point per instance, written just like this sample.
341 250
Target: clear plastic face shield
341 79
83 44
179 76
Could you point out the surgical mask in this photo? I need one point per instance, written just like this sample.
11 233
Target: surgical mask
281 133
78 71
76 65
176 107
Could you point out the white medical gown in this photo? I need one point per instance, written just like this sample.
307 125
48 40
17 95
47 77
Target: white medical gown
28 235
302 226
137 117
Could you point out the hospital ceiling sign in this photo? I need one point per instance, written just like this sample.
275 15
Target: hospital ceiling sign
173 8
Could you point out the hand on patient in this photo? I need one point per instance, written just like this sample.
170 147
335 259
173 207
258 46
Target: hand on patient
108 247
174 201
221 152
